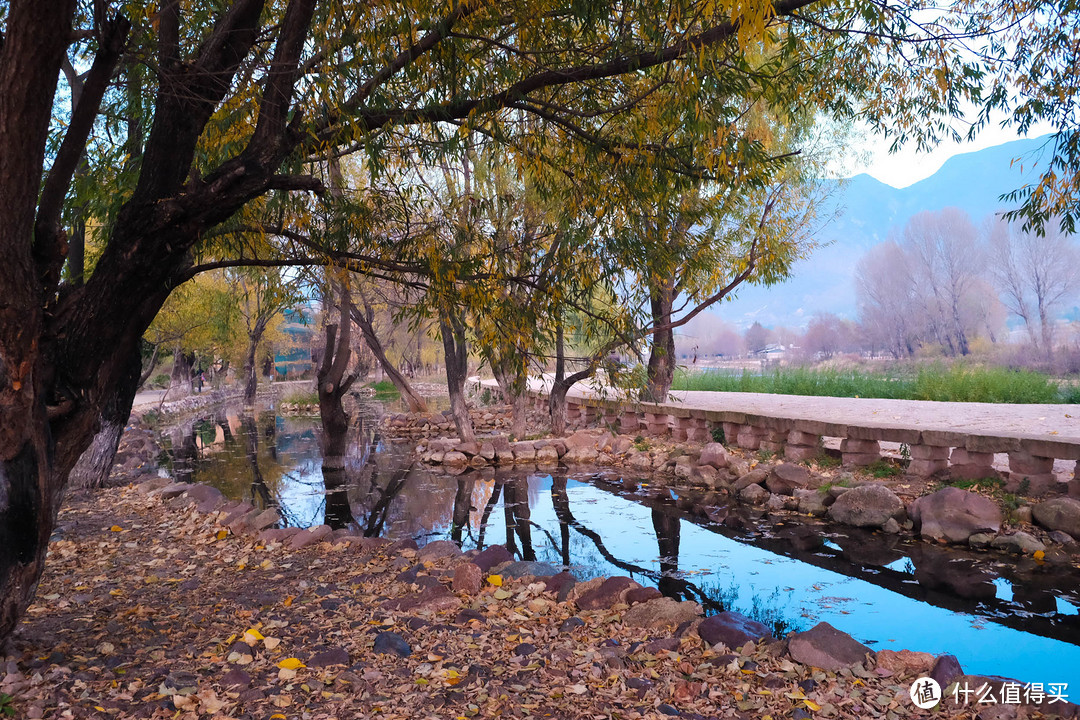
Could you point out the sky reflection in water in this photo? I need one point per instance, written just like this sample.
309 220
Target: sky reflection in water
887 595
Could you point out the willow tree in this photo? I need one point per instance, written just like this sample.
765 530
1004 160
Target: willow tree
189 111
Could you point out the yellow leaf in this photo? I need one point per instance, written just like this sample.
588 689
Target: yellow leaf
1039 555
222 534
812 705
291 664
116 528
495 580
252 636
288 601
277 716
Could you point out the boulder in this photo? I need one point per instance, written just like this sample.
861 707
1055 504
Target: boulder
642 595
391 643
785 478
683 468
492 556
580 456
266 519
706 476
714 454
732 629
208 499
812 502
639 460
867 506
946 669
310 536
547 455
1061 513
523 452
439 549
560 584
754 494
468 578
528 567
1020 543
954 515
825 647
611 591
754 477
905 662
661 612
455 459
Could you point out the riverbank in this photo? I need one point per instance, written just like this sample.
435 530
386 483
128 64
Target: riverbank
149 607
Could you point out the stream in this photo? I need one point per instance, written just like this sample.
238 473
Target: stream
1000 615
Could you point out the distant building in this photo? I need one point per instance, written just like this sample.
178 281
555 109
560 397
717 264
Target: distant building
293 358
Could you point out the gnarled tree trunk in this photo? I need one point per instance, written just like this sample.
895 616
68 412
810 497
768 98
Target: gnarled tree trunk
92 469
333 383
180 381
456 349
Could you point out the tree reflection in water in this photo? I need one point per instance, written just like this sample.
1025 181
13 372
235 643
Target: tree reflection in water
462 507
667 536
261 496
517 513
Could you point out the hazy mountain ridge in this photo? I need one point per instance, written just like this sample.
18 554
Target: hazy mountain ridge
869 211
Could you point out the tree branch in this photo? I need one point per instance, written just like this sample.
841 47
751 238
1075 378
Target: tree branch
114 36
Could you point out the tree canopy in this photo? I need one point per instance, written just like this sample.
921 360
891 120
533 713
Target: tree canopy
184 135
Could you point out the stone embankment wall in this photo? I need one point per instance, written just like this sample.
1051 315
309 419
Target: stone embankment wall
964 455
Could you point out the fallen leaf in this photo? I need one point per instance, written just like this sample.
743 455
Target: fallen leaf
495 580
291 663
116 528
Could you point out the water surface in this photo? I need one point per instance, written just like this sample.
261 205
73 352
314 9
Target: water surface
1000 615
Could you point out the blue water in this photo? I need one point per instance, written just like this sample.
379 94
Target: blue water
607 528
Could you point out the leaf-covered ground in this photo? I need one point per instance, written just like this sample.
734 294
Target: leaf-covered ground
148 610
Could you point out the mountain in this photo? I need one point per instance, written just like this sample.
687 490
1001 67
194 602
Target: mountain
869 211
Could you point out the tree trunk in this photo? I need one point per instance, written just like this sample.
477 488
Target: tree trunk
251 374
661 369
35 40
366 322
513 383
562 384
1046 328
180 384
92 469
452 328
332 385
